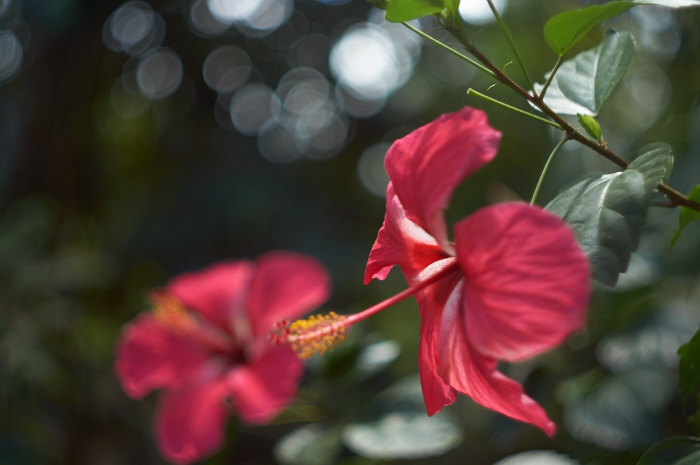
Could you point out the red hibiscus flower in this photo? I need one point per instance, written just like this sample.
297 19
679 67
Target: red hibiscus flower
204 344
512 284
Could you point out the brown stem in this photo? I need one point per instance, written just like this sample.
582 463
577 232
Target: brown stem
676 197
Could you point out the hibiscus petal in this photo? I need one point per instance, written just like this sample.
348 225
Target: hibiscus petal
527 280
286 285
262 388
436 393
401 242
217 293
149 356
464 369
426 166
190 423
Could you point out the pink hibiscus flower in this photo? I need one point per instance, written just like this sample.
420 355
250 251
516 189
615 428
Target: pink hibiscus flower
204 344
512 284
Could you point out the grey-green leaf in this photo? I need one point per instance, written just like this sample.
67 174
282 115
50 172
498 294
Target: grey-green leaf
585 82
679 450
621 412
607 212
309 445
591 126
565 29
537 457
403 435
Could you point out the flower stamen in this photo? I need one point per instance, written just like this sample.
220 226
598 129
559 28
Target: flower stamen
170 312
317 334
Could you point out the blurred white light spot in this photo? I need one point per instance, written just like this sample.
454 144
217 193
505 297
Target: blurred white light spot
228 11
270 16
133 28
478 12
326 143
370 169
310 114
203 22
367 61
226 68
252 106
11 55
159 74
252 17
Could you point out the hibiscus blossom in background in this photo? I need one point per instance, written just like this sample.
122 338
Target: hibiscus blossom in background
205 345
512 284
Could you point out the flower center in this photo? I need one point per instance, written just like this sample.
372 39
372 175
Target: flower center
171 313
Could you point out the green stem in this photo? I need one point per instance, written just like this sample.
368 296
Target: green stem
512 44
546 168
451 50
511 108
551 76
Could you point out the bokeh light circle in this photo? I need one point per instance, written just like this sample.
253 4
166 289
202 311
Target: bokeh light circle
253 18
229 11
252 106
365 60
371 170
478 12
133 28
226 68
159 74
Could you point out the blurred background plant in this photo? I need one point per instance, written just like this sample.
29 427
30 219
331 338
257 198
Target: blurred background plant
139 140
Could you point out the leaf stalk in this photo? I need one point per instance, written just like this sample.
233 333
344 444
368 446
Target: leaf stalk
546 168
512 44
449 49
551 77
512 108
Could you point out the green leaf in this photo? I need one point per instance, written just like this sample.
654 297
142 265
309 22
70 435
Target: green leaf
565 29
590 125
405 10
308 445
607 212
621 411
679 450
543 457
585 82
403 435
689 366
687 215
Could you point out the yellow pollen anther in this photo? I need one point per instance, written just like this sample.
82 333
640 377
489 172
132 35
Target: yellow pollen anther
170 312
318 333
